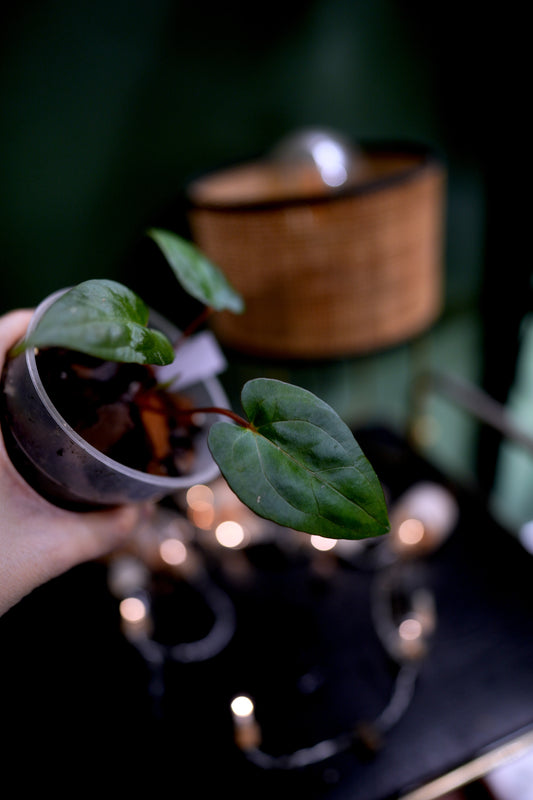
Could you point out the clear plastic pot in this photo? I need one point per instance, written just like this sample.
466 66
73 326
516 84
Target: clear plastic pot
61 465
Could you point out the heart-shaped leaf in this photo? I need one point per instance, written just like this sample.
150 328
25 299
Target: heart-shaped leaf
202 279
298 464
102 318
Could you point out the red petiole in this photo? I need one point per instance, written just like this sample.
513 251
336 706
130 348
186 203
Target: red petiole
243 423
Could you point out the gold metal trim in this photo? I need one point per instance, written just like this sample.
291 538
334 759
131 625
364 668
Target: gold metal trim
473 770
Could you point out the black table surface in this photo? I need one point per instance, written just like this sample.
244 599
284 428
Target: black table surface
77 699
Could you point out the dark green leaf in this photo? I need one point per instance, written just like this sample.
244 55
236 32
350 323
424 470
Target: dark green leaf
299 464
198 276
104 319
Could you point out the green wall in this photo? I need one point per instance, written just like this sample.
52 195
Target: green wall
108 108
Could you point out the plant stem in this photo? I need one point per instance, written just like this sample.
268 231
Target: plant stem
194 325
243 423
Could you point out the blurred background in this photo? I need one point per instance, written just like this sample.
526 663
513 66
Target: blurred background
108 110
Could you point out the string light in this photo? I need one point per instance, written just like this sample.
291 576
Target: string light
322 543
406 643
201 506
173 552
405 640
422 519
230 534
411 532
199 494
246 730
137 625
367 737
242 707
410 629
132 609
135 617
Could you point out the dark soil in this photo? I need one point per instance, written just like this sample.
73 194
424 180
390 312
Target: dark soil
119 409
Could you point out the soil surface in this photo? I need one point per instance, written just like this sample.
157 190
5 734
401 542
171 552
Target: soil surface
119 409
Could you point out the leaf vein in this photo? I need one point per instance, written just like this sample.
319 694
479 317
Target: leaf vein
274 489
315 474
322 431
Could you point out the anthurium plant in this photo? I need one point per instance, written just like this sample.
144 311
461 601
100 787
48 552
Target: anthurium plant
290 458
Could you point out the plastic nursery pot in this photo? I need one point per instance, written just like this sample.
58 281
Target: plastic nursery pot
67 470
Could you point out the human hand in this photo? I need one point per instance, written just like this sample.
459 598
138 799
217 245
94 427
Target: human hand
39 541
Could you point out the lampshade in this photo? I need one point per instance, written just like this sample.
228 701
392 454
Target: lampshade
336 252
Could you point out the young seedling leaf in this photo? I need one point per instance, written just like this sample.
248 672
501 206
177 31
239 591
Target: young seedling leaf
298 464
202 279
105 319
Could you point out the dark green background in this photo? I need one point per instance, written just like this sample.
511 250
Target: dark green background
108 109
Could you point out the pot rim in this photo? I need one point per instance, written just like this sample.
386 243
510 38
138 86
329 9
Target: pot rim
206 475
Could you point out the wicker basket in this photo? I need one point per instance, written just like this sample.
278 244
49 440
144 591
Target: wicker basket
326 274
